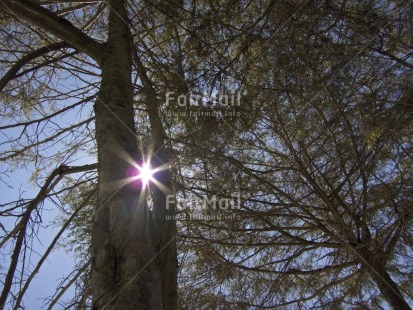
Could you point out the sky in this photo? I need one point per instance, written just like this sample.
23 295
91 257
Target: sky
59 263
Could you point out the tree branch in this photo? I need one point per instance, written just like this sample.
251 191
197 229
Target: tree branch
39 120
27 58
392 57
55 25
66 287
51 248
50 183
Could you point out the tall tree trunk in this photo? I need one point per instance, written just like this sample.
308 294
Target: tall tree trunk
163 231
385 283
164 239
126 271
389 289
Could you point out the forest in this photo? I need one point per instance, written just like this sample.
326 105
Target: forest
217 154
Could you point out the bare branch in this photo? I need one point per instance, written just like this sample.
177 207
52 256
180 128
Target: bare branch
50 183
50 248
58 26
66 287
27 58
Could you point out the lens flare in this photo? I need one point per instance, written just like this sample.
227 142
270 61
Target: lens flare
145 173
140 174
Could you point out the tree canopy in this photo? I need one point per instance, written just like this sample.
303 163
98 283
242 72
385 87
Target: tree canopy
279 134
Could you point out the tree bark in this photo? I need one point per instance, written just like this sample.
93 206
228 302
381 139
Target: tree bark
125 267
133 249
163 231
53 24
385 283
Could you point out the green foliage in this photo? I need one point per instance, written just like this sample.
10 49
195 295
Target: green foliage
319 148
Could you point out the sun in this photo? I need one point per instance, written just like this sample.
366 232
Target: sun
145 174
140 174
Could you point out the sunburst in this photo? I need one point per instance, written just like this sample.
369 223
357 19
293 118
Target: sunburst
145 174
141 174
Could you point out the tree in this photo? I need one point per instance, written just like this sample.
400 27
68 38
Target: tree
133 248
318 151
324 170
